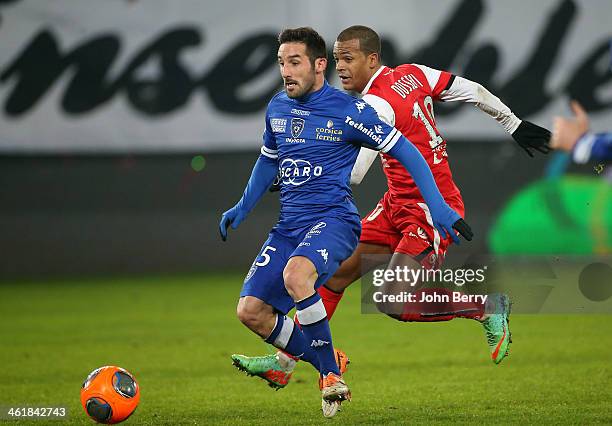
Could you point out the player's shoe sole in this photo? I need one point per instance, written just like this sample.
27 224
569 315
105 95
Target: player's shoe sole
330 408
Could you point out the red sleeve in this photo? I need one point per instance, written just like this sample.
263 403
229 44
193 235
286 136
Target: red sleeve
443 83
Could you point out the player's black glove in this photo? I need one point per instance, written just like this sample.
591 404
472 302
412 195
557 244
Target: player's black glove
275 187
531 136
464 229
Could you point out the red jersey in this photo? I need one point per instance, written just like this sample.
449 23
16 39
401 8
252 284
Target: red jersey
404 96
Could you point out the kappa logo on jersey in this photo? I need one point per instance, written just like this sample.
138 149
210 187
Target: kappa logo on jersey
324 254
422 233
318 343
298 172
359 126
300 112
297 125
279 125
360 105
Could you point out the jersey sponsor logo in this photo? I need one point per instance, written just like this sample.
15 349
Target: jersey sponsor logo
315 230
297 125
405 85
318 227
360 105
300 112
328 133
324 254
298 172
279 125
318 343
359 126
378 129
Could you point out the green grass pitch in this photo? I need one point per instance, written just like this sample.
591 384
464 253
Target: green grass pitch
176 336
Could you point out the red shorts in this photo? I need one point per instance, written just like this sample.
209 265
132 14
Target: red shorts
408 228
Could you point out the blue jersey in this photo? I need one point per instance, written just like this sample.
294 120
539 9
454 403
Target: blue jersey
316 140
593 147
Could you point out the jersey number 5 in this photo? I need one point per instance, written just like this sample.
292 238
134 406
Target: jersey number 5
266 256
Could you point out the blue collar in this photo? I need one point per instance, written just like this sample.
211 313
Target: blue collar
312 96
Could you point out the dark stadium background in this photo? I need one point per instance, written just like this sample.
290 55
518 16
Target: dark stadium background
81 215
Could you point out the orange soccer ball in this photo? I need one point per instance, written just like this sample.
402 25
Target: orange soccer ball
110 394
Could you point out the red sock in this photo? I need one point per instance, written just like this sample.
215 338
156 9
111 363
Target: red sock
330 300
440 311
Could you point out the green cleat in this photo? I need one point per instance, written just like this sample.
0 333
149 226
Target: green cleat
267 367
277 369
496 326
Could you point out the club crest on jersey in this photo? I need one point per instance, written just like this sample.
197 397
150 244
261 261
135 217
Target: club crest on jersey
297 125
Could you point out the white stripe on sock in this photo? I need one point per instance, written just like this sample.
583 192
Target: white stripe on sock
285 334
313 313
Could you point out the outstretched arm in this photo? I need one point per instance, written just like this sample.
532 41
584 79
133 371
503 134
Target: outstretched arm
363 124
443 216
263 174
528 135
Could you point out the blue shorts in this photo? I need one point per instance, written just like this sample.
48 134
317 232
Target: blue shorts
326 244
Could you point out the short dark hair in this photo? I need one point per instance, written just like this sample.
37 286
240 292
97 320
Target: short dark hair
315 45
369 41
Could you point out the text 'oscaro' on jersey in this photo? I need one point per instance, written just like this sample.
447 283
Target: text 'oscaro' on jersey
316 140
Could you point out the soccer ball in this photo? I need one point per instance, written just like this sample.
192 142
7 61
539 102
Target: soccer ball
110 394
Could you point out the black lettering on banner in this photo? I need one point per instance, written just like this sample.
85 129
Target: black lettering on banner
43 62
226 78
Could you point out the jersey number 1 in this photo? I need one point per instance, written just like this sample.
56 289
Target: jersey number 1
418 113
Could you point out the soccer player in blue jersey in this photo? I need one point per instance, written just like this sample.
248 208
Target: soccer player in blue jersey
312 138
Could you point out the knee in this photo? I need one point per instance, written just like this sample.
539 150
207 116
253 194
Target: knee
293 277
248 314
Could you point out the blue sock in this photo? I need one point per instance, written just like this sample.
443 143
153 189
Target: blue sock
288 337
313 319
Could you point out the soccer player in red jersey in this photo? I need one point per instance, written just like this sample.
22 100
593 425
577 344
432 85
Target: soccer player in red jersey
400 225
